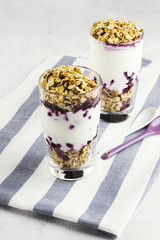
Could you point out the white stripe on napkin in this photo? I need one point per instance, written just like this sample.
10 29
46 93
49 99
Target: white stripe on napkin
82 62
34 189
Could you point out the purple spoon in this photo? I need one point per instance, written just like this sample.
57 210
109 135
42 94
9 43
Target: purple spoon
153 128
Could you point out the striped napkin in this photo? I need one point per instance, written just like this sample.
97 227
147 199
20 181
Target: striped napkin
107 198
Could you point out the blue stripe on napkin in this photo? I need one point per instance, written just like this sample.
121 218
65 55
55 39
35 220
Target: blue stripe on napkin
153 99
53 197
19 119
146 62
66 60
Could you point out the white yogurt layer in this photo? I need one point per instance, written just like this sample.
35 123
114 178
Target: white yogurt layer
78 130
112 61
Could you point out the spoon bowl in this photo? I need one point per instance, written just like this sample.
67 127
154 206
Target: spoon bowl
154 126
142 120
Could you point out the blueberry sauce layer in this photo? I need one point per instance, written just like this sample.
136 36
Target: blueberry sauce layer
122 45
57 151
89 103
72 158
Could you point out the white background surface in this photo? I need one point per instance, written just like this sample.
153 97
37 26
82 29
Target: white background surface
31 31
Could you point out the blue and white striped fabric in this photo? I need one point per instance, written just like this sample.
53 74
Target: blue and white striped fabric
108 197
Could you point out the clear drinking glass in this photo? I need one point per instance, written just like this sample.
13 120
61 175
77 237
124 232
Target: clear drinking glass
118 66
70 127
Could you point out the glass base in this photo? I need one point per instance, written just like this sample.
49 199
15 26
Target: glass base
69 174
115 117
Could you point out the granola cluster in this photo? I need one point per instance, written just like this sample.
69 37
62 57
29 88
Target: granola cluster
113 101
67 80
73 158
116 31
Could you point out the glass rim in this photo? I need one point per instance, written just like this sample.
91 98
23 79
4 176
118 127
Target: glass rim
71 95
122 44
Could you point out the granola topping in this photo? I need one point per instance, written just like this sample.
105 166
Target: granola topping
67 80
68 90
116 31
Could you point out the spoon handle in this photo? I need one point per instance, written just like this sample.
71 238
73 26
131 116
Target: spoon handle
122 146
107 147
